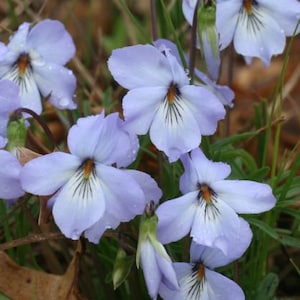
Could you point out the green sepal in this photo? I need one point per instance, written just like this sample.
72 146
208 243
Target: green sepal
16 134
122 267
207 25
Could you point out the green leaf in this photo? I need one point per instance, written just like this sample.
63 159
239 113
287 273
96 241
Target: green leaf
266 289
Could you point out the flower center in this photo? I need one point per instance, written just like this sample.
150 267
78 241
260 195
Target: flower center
88 167
206 193
248 5
172 105
22 63
201 272
172 93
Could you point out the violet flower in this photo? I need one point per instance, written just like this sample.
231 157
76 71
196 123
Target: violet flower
86 184
9 101
224 94
35 60
160 99
198 280
10 186
154 259
210 203
257 27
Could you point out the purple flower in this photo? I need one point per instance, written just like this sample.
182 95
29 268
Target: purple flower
207 34
198 281
9 101
224 94
155 261
257 27
210 203
10 186
34 60
86 185
161 99
151 192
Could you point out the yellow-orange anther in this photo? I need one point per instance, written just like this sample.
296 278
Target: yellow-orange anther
201 272
205 193
171 95
23 62
88 168
248 6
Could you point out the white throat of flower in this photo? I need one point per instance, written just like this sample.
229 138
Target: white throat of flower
207 198
250 15
21 73
84 182
193 283
172 105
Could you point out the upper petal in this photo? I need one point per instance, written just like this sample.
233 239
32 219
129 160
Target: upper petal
46 174
245 196
50 39
83 137
140 66
56 81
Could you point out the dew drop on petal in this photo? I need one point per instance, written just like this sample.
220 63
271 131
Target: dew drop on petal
63 102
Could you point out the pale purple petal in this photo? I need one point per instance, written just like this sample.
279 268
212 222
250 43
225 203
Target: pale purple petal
123 196
115 144
50 39
84 136
95 232
78 206
205 106
148 185
263 43
178 73
223 93
211 52
214 257
175 131
140 66
188 9
215 225
151 270
56 81
46 174
140 105
166 267
285 12
189 179
220 287
208 171
227 14
10 187
18 41
245 196
175 218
